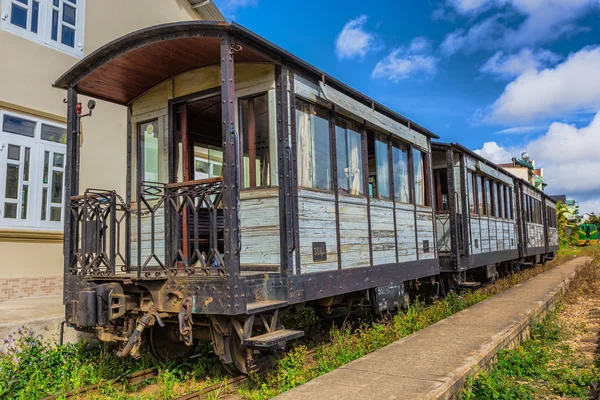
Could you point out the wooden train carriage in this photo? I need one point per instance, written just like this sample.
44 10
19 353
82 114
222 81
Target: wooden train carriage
255 182
551 224
476 216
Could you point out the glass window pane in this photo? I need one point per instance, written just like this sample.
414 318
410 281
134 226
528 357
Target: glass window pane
18 16
26 164
349 157
314 160
54 134
149 146
488 198
401 186
54 33
481 206
419 177
55 214
57 185
44 203
56 3
46 165
23 1
255 138
67 36
24 199
18 126
12 182
35 15
68 14
383 169
14 152
471 193
58 160
10 210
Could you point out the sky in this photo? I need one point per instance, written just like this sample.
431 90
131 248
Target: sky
498 76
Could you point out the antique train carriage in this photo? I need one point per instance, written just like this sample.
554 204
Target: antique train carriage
538 234
255 183
476 220
486 217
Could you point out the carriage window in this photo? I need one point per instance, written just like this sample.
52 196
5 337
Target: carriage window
495 199
382 182
488 197
421 189
349 156
500 191
208 162
511 208
149 144
480 195
400 168
441 189
314 159
256 141
471 188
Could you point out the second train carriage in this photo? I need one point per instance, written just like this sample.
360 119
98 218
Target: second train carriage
255 182
486 217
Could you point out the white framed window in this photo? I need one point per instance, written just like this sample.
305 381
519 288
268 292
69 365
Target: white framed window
55 23
32 172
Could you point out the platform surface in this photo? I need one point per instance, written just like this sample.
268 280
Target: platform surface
43 315
434 362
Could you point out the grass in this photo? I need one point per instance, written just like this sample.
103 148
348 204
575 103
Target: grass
349 344
31 368
545 365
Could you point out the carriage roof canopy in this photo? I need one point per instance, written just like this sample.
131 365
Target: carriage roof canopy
128 67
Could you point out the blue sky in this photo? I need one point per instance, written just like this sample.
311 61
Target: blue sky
499 76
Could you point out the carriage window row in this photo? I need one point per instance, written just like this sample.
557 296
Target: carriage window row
391 159
489 197
532 209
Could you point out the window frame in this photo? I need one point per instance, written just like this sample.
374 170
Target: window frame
44 29
384 139
38 147
361 153
399 145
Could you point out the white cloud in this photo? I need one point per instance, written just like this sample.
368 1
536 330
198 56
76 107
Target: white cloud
495 153
569 156
573 85
519 130
543 21
513 65
403 63
354 41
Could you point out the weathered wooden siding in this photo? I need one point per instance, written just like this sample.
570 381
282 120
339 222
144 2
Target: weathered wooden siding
145 240
535 235
382 232
552 236
259 215
405 227
354 231
425 238
316 223
475 238
492 234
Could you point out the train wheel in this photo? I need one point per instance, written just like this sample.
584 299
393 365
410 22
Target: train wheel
238 355
165 344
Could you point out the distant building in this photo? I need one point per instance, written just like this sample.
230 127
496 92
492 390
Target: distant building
524 168
572 206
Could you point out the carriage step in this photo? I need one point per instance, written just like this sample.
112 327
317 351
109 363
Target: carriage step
272 339
265 305
469 285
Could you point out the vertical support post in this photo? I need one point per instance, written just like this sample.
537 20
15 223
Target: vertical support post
71 187
466 215
333 140
128 192
452 206
428 176
411 190
365 167
393 195
284 170
231 180
294 162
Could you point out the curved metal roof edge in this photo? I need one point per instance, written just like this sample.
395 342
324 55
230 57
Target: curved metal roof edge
101 55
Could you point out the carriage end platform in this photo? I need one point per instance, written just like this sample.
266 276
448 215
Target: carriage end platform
435 362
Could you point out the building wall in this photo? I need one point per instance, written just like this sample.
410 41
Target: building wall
29 69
